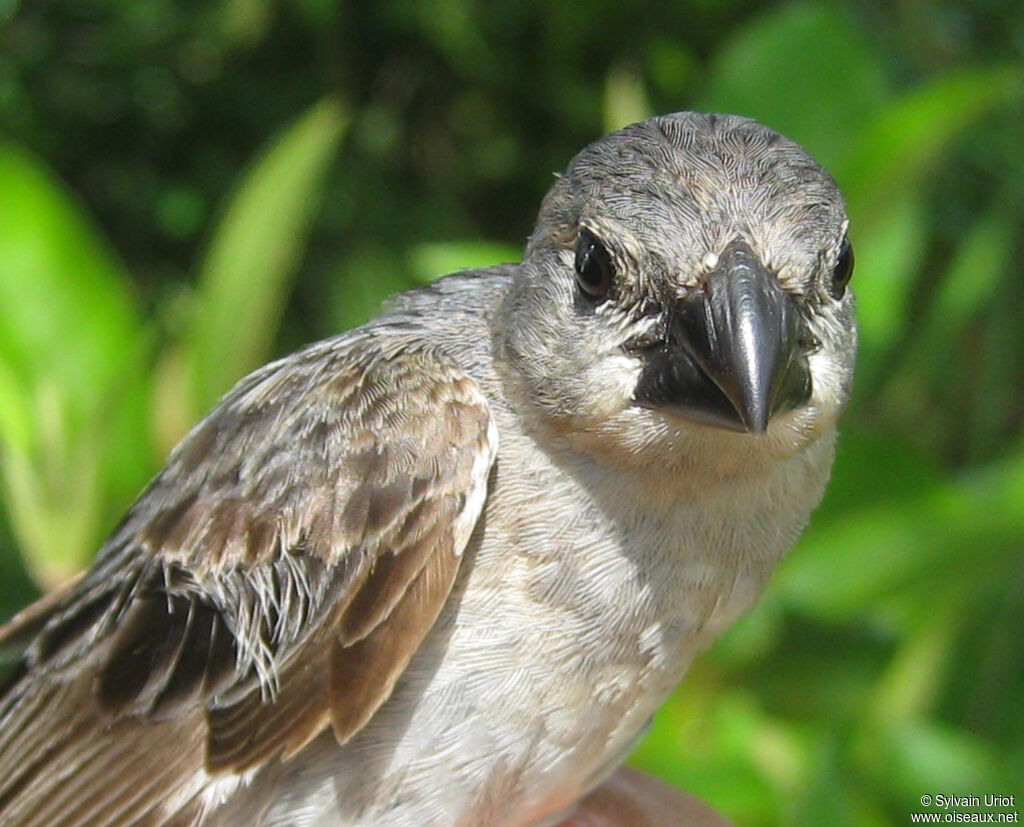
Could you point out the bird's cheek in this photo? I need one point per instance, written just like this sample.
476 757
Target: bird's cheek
609 386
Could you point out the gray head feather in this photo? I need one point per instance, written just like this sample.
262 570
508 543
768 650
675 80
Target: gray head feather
666 197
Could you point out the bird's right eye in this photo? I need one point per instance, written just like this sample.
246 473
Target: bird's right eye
843 270
594 267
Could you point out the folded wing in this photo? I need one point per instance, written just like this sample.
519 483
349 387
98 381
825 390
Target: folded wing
275 579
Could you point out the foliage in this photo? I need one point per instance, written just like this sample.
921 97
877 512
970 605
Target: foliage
885 661
75 385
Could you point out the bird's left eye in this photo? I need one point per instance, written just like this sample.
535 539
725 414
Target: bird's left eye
843 269
594 267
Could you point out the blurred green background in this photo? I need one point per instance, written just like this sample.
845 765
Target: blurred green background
167 170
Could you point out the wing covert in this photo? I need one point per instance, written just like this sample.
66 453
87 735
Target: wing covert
280 572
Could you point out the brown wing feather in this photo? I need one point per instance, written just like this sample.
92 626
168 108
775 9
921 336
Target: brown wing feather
363 673
276 577
18 632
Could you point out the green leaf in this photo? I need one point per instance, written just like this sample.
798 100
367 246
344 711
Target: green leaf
625 97
17 431
70 343
255 251
433 260
882 177
55 502
901 145
366 278
924 756
722 747
978 265
889 255
824 799
804 70
911 545
68 312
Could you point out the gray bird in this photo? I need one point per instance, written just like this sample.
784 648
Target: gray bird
442 569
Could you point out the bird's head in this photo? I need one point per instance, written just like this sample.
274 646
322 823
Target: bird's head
688 274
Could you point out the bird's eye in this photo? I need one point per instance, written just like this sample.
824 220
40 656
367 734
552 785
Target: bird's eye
594 268
843 270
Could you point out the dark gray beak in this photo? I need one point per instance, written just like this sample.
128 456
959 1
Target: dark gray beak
732 356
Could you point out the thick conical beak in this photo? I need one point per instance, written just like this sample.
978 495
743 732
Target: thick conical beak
732 358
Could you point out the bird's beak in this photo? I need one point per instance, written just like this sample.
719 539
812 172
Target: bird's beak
732 356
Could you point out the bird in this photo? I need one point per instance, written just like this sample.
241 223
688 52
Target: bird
443 568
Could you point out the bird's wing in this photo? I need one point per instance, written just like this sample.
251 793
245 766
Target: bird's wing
275 578
18 632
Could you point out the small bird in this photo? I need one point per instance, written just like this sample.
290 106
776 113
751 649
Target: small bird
442 569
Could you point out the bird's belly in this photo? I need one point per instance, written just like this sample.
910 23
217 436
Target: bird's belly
554 649
533 685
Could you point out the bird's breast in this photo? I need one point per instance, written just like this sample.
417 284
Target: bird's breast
581 601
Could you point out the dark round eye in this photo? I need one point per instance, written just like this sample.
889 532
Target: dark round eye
844 269
594 268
